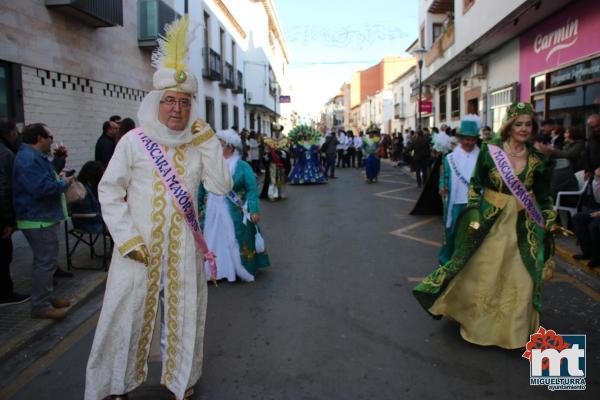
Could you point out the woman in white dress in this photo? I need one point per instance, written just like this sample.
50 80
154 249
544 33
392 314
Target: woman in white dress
222 217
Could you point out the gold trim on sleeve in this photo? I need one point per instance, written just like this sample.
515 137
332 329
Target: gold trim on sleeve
203 136
130 245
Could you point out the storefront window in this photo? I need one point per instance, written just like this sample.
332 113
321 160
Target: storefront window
455 99
572 107
4 92
538 103
443 114
576 73
538 83
498 114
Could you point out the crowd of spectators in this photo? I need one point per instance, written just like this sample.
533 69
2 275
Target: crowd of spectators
37 194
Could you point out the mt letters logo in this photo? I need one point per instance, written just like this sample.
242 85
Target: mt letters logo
556 361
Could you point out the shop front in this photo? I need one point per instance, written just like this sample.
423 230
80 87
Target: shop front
560 64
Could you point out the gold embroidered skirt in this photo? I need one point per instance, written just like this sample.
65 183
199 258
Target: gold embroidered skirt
491 297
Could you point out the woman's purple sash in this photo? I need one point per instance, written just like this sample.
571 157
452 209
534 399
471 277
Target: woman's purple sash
180 194
515 185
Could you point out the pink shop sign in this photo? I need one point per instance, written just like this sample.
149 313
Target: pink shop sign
570 34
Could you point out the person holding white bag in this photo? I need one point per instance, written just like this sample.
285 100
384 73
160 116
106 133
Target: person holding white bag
230 222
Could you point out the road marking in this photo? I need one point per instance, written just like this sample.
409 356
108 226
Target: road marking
558 277
387 196
417 239
415 278
415 225
45 361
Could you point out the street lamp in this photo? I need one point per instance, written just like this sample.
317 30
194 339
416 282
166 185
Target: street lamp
419 54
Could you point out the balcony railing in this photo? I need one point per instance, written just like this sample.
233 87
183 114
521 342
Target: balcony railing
95 13
227 78
441 44
239 83
153 15
212 65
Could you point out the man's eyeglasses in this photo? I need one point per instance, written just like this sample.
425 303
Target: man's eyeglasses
171 101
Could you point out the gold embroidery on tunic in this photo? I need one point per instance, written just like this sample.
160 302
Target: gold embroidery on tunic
173 287
499 304
496 179
130 245
436 280
156 250
202 137
246 253
473 195
531 238
532 163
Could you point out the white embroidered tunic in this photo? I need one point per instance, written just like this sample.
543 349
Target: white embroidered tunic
138 210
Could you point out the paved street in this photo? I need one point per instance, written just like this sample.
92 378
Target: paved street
333 317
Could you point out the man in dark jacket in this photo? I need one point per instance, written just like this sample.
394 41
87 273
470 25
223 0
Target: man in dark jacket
592 151
330 147
8 141
40 207
105 146
421 154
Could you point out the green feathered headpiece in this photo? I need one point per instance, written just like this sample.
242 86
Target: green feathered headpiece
302 131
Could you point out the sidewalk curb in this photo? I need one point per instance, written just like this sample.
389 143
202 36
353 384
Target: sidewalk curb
579 270
16 344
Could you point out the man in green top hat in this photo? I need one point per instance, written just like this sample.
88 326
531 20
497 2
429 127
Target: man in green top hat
456 174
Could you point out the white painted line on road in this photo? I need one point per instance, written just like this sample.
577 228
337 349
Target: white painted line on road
415 225
415 278
417 239
385 195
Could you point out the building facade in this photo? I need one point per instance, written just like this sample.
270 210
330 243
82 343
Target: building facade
334 114
59 68
367 98
405 109
63 71
481 56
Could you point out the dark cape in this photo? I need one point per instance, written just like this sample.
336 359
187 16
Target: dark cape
429 201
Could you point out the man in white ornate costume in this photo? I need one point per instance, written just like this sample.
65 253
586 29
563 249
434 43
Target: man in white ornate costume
157 274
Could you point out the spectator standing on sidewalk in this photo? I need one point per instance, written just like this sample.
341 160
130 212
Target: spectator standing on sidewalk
421 153
330 148
125 126
40 205
358 143
105 146
342 148
253 153
8 141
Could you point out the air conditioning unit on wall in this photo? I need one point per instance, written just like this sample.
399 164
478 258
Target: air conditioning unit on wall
477 70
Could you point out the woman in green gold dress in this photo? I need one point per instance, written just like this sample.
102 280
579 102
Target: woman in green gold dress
492 285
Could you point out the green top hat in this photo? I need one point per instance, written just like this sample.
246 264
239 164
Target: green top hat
468 128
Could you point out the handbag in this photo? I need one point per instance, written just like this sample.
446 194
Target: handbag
75 192
259 242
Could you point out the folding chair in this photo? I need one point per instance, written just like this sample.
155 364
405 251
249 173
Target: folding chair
88 238
565 200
